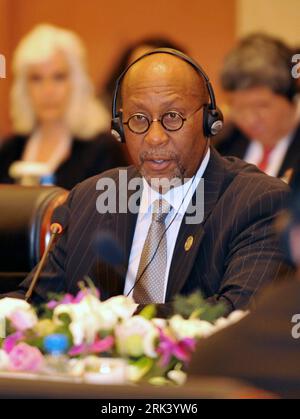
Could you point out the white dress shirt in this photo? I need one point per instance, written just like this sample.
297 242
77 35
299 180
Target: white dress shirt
179 199
255 151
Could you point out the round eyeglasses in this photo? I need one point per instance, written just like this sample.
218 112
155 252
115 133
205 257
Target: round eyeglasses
139 123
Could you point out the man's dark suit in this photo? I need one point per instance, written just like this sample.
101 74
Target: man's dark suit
259 349
232 142
234 252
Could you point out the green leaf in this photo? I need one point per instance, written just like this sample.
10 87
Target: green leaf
148 312
65 319
195 306
140 367
91 285
212 313
159 381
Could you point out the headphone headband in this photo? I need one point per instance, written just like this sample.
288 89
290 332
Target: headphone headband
213 118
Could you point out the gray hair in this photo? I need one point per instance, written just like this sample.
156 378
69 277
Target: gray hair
85 116
259 60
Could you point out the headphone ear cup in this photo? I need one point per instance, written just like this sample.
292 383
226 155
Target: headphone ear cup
117 129
212 121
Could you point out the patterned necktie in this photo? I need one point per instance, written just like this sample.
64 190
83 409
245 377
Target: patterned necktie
150 287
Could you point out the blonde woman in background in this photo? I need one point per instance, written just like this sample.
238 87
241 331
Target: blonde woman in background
58 122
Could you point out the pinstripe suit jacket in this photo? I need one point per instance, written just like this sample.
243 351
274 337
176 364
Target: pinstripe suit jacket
234 253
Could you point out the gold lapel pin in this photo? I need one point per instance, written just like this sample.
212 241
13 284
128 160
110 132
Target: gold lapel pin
188 243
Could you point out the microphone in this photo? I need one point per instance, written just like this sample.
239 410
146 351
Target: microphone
60 220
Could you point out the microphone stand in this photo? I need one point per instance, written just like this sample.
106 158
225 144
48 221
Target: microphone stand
55 229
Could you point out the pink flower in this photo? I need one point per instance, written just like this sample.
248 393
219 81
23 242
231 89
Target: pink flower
67 299
100 345
70 299
168 348
52 304
11 341
23 320
83 293
24 357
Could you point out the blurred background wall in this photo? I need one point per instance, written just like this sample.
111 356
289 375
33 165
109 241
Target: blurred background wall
207 29
276 17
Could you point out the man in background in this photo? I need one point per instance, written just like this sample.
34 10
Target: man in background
260 90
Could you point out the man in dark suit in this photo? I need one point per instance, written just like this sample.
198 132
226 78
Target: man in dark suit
260 92
263 348
228 252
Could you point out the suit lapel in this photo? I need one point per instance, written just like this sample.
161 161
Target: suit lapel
126 221
184 255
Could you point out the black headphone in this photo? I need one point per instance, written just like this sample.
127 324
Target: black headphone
212 115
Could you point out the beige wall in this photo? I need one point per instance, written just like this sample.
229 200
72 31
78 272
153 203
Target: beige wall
5 49
277 17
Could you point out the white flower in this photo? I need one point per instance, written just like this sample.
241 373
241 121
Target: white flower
237 315
85 317
19 312
122 307
160 323
23 319
90 315
136 337
177 376
10 305
233 318
189 328
4 361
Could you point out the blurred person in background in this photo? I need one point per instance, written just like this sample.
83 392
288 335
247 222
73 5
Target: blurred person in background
130 54
260 91
60 128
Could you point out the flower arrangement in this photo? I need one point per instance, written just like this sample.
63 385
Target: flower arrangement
71 335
